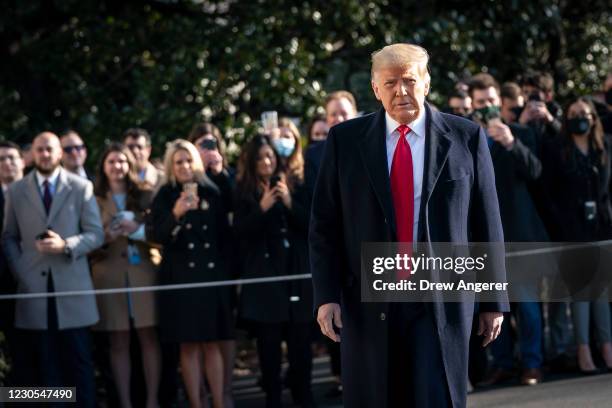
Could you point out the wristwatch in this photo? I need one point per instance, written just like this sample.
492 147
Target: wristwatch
67 250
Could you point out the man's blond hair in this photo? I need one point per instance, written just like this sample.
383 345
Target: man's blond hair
401 55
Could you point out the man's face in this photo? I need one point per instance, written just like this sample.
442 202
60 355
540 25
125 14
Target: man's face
11 165
140 149
482 98
402 92
339 110
460 106
75 152
47 153
510 108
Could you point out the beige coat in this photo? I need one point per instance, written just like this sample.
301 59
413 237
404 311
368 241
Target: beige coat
111 269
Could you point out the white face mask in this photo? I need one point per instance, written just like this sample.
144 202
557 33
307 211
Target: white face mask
284 146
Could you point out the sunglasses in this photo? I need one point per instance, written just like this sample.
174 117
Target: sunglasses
77 148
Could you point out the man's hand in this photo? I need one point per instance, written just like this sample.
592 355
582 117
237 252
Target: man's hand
53 244
489 326
327 316
501 133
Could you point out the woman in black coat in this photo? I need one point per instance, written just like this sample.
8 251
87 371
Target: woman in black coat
577 176
271 221
189 219
207 138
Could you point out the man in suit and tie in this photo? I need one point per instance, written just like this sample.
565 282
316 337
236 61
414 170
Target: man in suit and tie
11 170
405 173
51 223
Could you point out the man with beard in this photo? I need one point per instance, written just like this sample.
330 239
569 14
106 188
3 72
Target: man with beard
51 223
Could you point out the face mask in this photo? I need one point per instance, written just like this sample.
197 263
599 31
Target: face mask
486 114
517 112
284 146
609 96
578 126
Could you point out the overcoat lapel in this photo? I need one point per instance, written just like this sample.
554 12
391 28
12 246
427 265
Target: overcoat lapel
373 150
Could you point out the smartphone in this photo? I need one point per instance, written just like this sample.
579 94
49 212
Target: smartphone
191 189
535 97
208 144
269 120
43 235
274 181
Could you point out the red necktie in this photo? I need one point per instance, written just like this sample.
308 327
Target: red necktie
402 190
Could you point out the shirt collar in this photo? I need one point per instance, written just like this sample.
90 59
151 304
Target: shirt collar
81 172
417 126
40 179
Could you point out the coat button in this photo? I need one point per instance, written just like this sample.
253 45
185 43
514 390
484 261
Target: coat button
43 273
191 264
386 221
211 265
206 245
383 316
188 226
266 255
204 227
190 245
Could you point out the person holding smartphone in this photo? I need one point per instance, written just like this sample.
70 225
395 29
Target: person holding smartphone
271 222
126 260
189 219
512 149
208 140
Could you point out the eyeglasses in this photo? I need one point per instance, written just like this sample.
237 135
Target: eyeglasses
77 148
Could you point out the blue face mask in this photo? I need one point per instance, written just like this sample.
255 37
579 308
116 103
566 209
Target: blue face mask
284 146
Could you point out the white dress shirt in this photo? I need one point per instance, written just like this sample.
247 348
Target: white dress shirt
40 179
416 140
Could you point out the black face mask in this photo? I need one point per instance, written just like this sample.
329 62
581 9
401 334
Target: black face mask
517 112
578 126
609 96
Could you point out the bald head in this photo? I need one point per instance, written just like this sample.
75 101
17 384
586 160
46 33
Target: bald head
47 152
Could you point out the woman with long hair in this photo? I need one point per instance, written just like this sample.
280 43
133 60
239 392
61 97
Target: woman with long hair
577 175
207 138
189 219
126 260
271 222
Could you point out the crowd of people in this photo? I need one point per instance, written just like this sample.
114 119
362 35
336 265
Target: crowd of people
194 218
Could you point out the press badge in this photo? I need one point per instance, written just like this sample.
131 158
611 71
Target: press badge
133 255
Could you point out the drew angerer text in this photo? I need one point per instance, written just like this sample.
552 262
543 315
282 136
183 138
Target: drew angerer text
425 285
